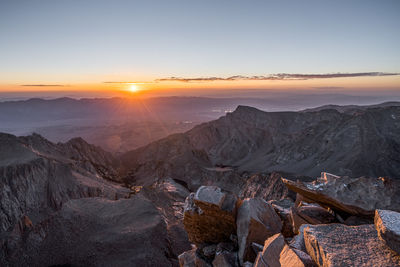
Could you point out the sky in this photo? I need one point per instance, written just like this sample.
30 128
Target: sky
68 45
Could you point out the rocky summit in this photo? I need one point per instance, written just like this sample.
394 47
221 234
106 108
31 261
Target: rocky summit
240 191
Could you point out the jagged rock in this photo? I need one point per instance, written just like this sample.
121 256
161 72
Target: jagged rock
209 215
277 253
282 208
387 223
226 259
309 214
257 141
297 242
256 221
269 257
37 177
355 196
341 245
191 259
302 258
97 232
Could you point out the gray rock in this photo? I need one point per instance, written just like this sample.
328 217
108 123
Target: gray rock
191 259
226 259
354 196
209 251
387 223
341 245
256 221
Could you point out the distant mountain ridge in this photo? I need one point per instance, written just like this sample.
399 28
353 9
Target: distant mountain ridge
353 108
306 143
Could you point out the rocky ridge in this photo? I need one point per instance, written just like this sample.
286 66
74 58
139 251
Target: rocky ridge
365 143
321 236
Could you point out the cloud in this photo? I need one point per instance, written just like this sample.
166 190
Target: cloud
44 85
279 76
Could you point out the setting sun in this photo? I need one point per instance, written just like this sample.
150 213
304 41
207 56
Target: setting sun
133 88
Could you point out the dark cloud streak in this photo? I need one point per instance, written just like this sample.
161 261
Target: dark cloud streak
279 77
44 85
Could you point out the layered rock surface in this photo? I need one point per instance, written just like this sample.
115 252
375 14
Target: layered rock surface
355 196
341 245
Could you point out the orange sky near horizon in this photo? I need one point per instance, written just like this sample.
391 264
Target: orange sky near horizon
353 84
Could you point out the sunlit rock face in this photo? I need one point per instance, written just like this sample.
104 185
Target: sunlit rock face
341 245
210 215
355 196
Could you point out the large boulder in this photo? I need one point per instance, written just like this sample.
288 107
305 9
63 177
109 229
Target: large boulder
256 221
209 215
387 223
355 196
341 245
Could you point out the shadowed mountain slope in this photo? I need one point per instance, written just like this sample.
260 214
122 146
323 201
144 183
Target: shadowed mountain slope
306 143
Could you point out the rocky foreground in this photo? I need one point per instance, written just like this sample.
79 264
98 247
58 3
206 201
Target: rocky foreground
66 204
323 227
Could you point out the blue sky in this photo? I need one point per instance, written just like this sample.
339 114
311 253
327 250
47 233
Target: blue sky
89 40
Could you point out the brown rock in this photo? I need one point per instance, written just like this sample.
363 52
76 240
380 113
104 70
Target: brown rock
355 196
387 223
269 257
341 245
209 215
277 253
289 258
256 221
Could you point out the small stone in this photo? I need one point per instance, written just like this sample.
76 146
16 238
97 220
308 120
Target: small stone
387 223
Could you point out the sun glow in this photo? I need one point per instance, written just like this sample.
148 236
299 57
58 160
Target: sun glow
134 88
